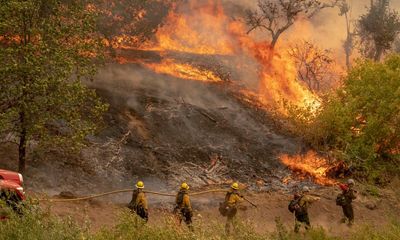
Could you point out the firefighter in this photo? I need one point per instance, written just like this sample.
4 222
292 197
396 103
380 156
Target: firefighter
229 207
301 203
183 207
348 195
138 203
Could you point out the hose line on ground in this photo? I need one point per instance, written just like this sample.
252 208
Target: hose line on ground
131 190
122 191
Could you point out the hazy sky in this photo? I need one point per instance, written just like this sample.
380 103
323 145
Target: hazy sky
328 29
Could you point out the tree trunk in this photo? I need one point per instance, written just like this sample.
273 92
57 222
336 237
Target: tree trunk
348 59
274 41
22 144
378 54
271 51
348 44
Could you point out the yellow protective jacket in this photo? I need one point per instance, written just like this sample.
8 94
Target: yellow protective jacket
306 201
232 198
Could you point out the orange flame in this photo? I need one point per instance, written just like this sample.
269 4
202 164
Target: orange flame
278 72
183 70
203 28
310 165
181 31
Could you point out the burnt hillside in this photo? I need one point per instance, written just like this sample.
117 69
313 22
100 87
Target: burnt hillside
166 130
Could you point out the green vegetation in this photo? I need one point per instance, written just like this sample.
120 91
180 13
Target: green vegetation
360 122
47 48
37 224
378 29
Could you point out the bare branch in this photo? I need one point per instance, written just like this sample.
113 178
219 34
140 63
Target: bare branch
278 16
314 65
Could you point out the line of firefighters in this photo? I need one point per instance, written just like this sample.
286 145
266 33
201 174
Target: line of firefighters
298 205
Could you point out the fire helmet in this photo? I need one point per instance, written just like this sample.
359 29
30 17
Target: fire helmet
185 186
306 189
350 182
235 186
139 184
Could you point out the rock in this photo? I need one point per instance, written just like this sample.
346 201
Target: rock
371 206
67 194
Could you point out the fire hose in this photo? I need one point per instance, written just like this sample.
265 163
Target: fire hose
52 200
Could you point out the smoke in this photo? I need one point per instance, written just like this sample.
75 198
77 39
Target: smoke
206 30
127 80
327 28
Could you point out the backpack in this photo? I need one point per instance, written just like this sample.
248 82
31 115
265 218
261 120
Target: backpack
179 198
223 209
223 206
132 205
293 205
340 199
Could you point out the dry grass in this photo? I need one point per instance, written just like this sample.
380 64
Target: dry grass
39 224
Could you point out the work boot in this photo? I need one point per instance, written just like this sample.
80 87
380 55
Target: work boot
297 227
350 223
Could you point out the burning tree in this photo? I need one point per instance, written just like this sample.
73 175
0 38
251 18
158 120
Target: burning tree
378 29
132 21
276 17
46 49
314 65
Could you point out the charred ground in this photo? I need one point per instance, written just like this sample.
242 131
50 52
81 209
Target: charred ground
167 130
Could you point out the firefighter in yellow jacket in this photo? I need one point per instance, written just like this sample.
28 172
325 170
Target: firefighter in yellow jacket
183 207
301 209
229 207
138 203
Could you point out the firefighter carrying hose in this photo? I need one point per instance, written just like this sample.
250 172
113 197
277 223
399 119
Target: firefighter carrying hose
183 207
345 200
138 203
229 207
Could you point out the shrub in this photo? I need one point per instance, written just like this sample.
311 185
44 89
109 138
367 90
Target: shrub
35 223
361 120
39 224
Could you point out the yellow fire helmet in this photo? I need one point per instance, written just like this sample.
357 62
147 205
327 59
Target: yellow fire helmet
139 184
235 186
185 186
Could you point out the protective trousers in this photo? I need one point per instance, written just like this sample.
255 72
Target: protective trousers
141 212
348 213
230 220
186 215
302 219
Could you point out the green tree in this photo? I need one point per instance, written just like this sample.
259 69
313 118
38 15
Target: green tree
47 48
377 29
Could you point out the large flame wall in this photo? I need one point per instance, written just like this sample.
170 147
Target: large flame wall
203 28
